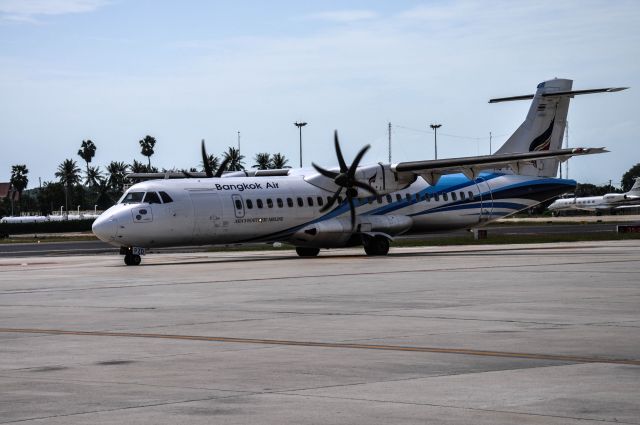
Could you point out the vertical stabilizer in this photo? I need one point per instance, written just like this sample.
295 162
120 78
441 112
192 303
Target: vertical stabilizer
635 190
543 129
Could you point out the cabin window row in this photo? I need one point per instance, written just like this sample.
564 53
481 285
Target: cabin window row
311 201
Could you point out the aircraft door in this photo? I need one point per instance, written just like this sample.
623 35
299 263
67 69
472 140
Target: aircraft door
486 199
207 214
238 205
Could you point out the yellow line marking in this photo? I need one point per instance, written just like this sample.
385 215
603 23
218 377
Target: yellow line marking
464 351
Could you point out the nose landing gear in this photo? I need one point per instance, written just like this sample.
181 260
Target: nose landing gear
132 255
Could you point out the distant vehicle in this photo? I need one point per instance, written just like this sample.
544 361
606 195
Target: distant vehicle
351 205
605 203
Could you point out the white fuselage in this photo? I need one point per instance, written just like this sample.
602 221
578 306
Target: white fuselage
287 209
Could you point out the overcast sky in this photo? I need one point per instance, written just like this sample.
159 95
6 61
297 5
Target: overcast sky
115 70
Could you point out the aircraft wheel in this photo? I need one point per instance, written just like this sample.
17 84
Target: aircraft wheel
378 245
307 252
132 260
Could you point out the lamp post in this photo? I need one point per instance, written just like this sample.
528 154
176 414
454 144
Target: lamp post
435 128
300 125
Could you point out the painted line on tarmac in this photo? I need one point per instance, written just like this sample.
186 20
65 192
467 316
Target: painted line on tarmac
418 349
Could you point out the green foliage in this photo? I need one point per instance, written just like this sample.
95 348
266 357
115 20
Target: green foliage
236 162
629 178
279 161
263 161
213 161
147 144
117 172
87 151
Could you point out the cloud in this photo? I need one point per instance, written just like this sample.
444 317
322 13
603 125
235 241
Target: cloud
29 10
344 16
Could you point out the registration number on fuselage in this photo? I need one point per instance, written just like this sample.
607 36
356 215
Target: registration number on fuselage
259 220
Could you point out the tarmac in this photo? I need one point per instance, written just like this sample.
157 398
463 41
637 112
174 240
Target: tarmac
527 334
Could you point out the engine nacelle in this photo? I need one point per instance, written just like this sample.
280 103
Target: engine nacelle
379 176
337 232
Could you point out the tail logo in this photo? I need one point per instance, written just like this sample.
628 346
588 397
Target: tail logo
543 141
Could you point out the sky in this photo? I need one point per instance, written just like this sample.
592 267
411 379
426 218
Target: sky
114 71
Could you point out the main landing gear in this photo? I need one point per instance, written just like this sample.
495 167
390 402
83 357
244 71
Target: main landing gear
376 245
132 255
307 252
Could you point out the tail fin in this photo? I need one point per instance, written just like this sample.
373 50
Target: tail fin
635 190
543 129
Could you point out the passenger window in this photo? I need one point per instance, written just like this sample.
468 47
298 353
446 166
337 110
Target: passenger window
408 196
310 201
462 195
436 197
290 202
269 203
379 199
132 198
454 196
249 203
389 200
445 197
427 197
417 197
398 197
238 204
152 198
300 202
165 197
259 203
470 194
320 201
280 203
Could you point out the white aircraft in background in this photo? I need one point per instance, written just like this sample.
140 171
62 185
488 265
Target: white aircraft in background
352 204
604 203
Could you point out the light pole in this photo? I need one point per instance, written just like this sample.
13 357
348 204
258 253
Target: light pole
435 128
300 125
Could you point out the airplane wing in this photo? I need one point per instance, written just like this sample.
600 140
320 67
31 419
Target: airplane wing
431 170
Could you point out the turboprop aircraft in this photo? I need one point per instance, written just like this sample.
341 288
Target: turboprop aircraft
604 203
351 204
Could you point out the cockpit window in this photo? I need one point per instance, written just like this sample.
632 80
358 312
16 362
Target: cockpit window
165 197
132 198
152 198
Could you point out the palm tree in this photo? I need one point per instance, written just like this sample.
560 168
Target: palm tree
139 167
87 151
117 172
213 161
19 181
94 176
279 161
263 161
147 144
236 162
69 174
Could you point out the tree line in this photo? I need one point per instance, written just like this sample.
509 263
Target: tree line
93 187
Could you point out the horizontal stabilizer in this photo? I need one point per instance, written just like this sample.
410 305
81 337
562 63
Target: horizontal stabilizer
570 93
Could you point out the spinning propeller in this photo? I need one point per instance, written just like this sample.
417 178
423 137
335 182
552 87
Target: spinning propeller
345 179
207 165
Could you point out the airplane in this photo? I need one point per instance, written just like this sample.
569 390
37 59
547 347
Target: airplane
352 204
604 203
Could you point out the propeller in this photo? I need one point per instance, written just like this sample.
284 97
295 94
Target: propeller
346 179
207 166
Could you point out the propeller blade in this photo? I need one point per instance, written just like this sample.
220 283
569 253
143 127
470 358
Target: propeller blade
205 161
326 173
366 187
356 161
332 201
353 212
343 165
222 167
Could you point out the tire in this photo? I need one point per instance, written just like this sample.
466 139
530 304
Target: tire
378 245
128 260
307 252
136 260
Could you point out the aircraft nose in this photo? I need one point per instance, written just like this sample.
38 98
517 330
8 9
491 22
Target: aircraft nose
105 228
